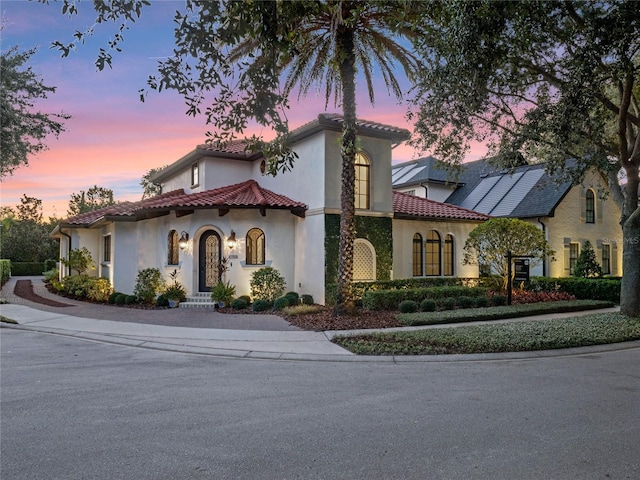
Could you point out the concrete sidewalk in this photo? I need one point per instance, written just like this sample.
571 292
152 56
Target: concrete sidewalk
278 341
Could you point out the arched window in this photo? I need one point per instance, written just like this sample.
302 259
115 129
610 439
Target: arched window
433 249
364 260
417 256
448 256
362 182
590 207
255 247
172 248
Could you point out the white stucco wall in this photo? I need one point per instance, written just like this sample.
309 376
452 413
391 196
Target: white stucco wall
403 232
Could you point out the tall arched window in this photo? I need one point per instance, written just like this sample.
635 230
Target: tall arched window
433 249
448 256
590 207
417 256
172 248
255 247
362 182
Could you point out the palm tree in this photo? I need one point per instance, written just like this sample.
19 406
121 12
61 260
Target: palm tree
327 46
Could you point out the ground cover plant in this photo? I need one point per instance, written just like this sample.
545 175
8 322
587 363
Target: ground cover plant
507 337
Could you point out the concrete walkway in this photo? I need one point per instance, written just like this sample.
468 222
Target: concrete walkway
213 333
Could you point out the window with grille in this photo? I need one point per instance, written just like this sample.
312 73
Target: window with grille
606 259
590 211
195 175
574 251
448 256
417 256
255 247
362 185
106 248
433 250
172 248
364 261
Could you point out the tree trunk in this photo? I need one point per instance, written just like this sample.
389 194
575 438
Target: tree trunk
345 53
630 289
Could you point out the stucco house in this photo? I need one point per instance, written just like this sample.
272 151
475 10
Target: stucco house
568 214
219 207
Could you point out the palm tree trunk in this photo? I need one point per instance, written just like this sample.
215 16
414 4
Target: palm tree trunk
345 52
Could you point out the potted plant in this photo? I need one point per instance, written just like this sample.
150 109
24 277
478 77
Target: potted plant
223 293
175 293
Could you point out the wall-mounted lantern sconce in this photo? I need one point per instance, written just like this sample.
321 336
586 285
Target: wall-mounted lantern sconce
184 240
231 241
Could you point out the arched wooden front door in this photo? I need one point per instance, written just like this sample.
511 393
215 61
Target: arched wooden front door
209 260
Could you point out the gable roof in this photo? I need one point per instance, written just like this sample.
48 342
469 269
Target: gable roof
412 207
243 195
524 192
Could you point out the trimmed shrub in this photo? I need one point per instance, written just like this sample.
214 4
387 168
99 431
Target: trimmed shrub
307 299
498 300
239 304
120 299
582 288
466 302
148 283
50 264
267 283
481 302
428 305
130 299
408 306
390 299
246 298
112 297
99 290
77 285
448 303
281 303
19 269
162 300
261 305
294 298
5 271
51 275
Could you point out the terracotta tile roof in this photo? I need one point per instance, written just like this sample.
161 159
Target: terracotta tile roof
236 147
405 205
334 121
247 194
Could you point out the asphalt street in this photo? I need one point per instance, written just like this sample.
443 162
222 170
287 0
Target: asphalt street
78 409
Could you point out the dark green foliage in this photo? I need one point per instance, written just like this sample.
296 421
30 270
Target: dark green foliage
148 283
80 260
130 299
50 264
498 300
112 297
306 299
281 303
162 300
239 304
19 269
581 288
294 298
466 302
428 305
390 299
246 298
587 265
261 305
267 283
121 299
5 271
408 306
448 303
175 291
481 302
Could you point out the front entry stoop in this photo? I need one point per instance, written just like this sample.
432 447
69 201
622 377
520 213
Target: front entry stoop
198 300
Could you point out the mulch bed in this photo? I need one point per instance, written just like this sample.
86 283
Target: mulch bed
24 289
324 320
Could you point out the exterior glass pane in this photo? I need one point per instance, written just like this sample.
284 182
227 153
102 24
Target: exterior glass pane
172 248
574 251
255 247
433 251
448 256
606 259
417 256
362 182
590 212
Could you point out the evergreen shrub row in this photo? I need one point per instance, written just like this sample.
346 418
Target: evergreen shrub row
607 289
391 299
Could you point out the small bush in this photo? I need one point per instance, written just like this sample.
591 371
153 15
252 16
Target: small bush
246 298
130 299
5 270
448 303
120 299
19 269
112 297
162 300
482 302
498 300
294 298
175 291
428 305
267 283
239 304
408 306
148 283
99 290
281 303
307 299
465 302
261 305
51 275
50 264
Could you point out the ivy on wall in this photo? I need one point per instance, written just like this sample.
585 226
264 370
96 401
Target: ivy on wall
377 230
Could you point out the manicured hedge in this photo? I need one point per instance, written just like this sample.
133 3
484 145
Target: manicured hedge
581 288
390 299
19 269
5 271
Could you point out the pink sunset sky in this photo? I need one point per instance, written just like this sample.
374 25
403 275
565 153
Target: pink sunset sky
113 139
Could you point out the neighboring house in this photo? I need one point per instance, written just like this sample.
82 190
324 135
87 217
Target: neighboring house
219 207
567 214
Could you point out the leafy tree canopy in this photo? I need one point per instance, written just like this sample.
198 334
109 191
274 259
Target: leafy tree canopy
489 243
93 199
24 129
